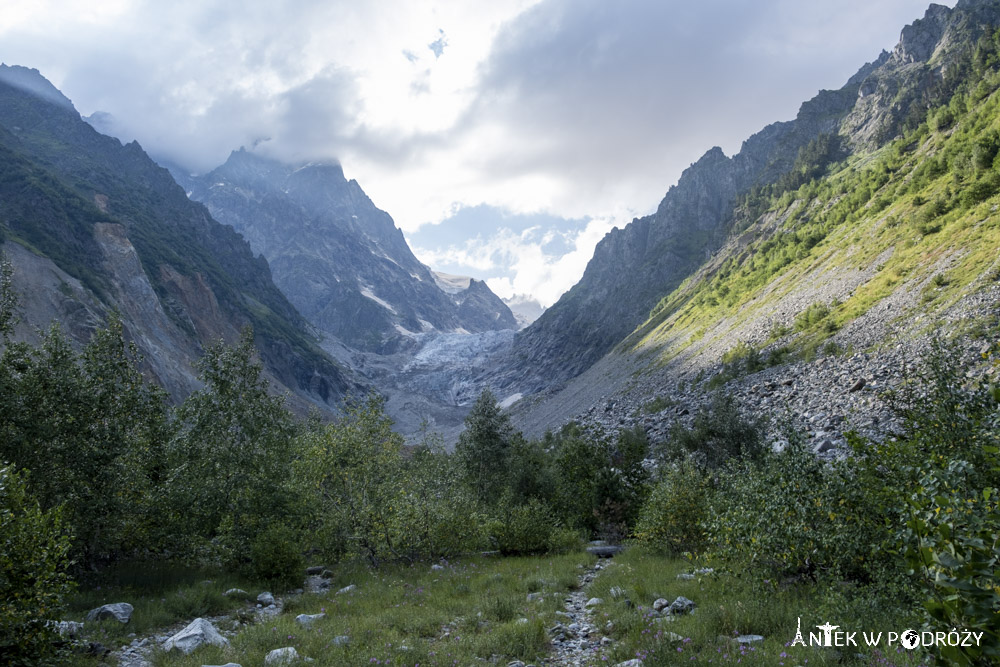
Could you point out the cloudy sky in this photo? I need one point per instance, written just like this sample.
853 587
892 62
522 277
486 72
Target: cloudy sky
505 137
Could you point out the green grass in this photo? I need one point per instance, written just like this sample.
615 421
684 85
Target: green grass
472 610
162 595
728 605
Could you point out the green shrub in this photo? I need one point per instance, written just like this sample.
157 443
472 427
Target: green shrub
524 529
718 433
672 518
33 580
276 555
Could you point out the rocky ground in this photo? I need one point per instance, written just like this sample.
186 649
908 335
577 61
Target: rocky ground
823 399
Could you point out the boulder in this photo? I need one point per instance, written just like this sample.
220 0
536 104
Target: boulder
306 620
265 599
68 628
660 604
315 569
120 611
282 656
593 602
681 606
198 633
605 550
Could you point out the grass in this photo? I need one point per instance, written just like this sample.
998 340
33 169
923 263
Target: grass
471 611
477 611
728 605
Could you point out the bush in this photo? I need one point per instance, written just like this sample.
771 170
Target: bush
33 580
717 434
524 529
276 555
672 518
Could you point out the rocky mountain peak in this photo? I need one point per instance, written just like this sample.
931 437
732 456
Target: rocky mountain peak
31 81
918 40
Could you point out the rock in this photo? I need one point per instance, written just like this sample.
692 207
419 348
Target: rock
593 602
673 637
197 633
634 662
68 628
749 639
306 620
120 611
660 604
315 570
282 656
681 606
347 589
824 446
617 592
535 597
237 593
858 385
266 599
228 664
341 640
515 663
605 551
97 649
705 570
437 567
685 577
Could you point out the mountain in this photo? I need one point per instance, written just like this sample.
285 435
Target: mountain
338 258
92 225
815 260
699 213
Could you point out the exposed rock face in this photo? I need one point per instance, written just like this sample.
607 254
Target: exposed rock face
198 633
338 258
109 229
632 268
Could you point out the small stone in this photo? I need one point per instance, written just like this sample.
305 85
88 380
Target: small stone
436 567
617 592
660 604
341 640
634 662
237 593
685 576
515 663
593 602
265 599
535 597
858 385
347 589
749 639
228 664
315 569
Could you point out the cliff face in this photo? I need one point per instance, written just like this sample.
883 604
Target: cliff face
340 260
632 268
114 231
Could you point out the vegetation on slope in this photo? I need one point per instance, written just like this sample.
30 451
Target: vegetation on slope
926 196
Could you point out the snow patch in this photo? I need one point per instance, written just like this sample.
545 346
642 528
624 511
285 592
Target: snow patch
510 400
368 293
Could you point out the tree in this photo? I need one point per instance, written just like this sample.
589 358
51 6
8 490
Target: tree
355 471
232 456
484 448
34 552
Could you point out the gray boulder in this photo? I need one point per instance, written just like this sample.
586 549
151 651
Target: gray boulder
306 620
198 633
282 656
265 599
660 604
681 606
120 611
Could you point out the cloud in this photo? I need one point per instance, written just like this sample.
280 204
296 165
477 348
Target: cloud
518 254
437 46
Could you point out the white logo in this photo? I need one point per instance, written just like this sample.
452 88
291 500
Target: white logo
910 639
